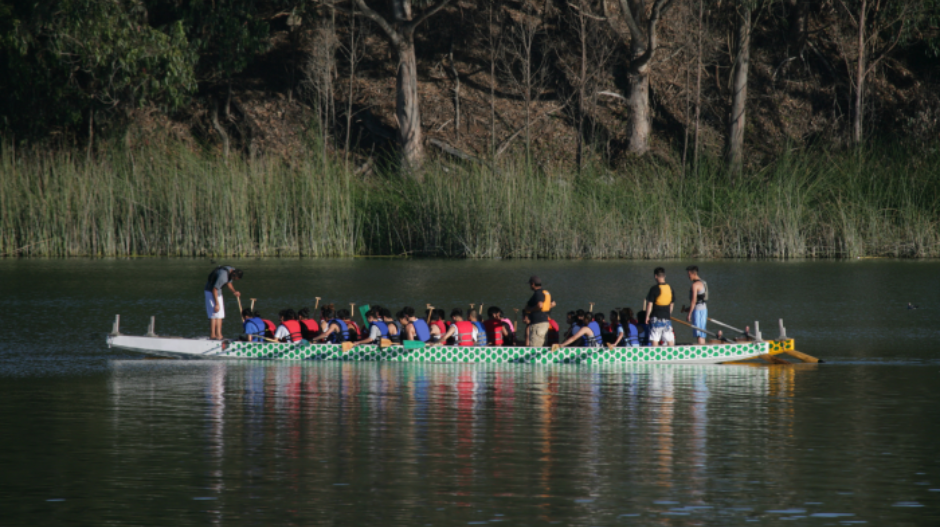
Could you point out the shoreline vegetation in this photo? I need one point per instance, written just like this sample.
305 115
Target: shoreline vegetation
170 201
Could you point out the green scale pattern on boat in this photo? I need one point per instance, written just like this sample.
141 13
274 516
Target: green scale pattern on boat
452 354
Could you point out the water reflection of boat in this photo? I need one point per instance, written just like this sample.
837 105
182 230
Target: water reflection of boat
202 348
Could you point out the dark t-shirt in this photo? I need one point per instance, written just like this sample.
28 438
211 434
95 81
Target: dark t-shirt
219 278
534 307
661 312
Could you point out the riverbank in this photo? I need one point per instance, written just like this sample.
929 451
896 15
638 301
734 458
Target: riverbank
171 201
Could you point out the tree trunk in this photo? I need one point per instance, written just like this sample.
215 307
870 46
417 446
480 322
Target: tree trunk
796 20
739 93
860 75
407 108
638 101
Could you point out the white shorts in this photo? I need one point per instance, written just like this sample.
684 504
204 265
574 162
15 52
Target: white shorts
210 306
661 330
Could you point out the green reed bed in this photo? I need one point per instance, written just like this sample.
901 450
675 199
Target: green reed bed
170 201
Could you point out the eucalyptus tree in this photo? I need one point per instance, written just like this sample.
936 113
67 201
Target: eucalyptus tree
399 24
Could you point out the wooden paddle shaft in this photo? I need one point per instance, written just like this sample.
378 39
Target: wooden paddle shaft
684 323
317 305
253 303
726 325
239 305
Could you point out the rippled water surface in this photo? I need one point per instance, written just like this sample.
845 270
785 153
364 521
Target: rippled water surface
92 436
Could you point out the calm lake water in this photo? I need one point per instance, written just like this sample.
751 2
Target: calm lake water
92 436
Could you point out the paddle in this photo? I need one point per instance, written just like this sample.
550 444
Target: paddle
347 346
239 304
430 310
685 309
684 323
253 304
363 309
317 304
413 344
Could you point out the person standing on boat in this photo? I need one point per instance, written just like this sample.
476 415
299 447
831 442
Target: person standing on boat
538 308
698 311
658 306
222 276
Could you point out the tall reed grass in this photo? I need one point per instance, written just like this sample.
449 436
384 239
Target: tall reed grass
170 201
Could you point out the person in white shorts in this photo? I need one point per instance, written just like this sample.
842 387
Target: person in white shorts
658 306
222 276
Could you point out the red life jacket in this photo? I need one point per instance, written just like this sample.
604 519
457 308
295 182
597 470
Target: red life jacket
310 328
294 327
494 332
552 336
441 326
270 327
353 327
464 336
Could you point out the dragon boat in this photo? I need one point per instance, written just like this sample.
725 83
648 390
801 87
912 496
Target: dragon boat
203 348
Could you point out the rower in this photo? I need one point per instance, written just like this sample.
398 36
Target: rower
589 333
698 310
627 332
554 330
642 329
437 325
659 303
309 327
378 329
355 332
416 328
574 323
463 332
289 330
481 331
327 313
394 326
254 326
269 327
337 331
496 331
511 328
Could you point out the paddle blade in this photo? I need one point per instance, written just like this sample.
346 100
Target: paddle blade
362 312
413 344
384 343
347 346
556 347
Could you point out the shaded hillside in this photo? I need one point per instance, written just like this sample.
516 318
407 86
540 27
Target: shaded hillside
295 69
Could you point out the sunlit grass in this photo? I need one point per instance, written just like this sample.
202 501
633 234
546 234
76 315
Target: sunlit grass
170 201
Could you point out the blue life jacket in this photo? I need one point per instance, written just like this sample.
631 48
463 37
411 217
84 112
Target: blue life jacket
422 332
254 327
383 328
631 335
481 333
343 332
643 334
596 340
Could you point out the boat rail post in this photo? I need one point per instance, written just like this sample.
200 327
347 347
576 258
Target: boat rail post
757 335
783 331
150 328
115 329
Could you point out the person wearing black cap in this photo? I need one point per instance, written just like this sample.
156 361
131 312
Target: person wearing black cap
538 309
